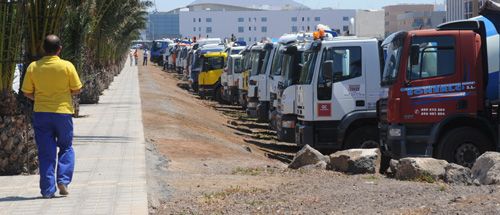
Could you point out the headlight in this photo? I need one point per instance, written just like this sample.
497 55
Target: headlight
395 132
288 124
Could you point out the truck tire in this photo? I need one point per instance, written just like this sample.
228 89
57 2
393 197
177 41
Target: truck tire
463 146
218 95
363 137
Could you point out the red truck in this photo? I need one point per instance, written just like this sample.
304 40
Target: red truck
441 90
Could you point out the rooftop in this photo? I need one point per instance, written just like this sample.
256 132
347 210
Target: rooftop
255 4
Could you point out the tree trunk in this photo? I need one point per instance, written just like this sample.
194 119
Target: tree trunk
18 152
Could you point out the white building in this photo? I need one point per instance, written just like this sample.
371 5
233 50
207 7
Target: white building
252 26
370 23
462 9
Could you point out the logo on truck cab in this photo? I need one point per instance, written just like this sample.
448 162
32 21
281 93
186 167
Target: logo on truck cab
442 89
324 109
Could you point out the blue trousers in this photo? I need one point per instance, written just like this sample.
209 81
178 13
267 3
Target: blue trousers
54 130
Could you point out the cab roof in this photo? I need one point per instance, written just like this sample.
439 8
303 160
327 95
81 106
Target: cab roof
215 54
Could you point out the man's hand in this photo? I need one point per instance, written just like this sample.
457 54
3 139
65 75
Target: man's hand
76 92
30 96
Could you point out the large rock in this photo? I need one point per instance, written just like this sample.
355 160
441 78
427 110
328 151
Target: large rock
425 169
486 170
307 157
356 161
458 175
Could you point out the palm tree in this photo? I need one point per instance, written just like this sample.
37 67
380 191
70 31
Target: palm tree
96 36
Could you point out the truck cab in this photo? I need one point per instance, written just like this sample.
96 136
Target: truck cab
232 73
196 64
291 65
158 48
212 65
260 55
441 90
242 79
337 93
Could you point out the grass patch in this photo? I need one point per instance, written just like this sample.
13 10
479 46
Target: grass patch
251 171
426 177
371 177
442 187
217 197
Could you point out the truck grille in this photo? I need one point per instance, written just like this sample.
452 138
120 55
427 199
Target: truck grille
382 108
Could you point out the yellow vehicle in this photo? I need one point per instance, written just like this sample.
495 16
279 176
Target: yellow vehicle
245 74
209 78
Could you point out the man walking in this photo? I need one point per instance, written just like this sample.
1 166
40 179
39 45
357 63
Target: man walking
145 56
50 82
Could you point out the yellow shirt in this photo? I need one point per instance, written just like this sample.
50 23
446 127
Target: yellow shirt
51 80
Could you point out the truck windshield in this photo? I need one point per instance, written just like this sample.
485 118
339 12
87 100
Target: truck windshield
278 60
307 72
268 53
238 65
213 63
292 67
394 45
257 61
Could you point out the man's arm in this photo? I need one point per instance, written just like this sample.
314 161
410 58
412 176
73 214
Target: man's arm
76 92
30 96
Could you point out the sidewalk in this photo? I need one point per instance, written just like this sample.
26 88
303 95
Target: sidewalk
110 174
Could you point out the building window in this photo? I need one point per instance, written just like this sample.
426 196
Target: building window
345 18
194 28
194 19
254 28
345 28
249 28
294 29
209 29
255 19
241 19
209 19
241 39
294 19
249 19
199 19
303 28
241 29
308 19
199 28
263 29
263 19
302 19
317 19
255 39
249 39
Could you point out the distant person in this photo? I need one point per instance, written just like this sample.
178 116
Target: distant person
145 58
136 56
131 58
51 82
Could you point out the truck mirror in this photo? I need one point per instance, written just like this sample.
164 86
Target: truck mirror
327 70
290 50
414 55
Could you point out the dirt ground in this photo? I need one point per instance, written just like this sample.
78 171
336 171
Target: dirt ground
206 158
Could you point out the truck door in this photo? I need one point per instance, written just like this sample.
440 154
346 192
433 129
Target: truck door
341 92
434 83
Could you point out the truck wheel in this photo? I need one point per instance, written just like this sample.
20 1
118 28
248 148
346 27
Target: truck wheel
463 146
218 95
365 137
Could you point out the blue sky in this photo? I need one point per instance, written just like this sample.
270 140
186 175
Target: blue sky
166 5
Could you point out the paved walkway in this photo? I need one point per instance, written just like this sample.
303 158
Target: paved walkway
110 175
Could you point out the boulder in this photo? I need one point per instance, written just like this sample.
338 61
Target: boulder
426 169
393 166
458 175
356 161
486 170
307 156
320 166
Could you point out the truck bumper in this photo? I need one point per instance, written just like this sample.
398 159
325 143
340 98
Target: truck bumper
399 141
252 104
285 127
318 134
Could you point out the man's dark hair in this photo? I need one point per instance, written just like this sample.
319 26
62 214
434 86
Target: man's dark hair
51 44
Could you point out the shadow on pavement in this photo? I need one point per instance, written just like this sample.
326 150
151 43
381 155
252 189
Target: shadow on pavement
21 198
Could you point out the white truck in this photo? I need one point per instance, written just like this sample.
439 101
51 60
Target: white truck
230 77
337 94
262 55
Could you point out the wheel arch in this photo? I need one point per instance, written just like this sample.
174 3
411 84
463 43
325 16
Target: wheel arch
462 120
355 120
